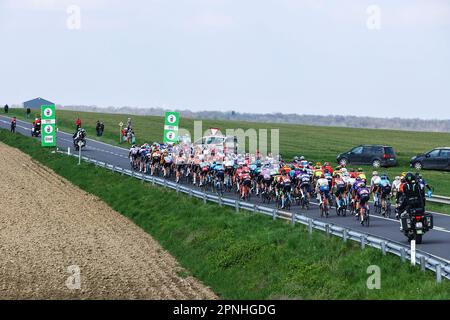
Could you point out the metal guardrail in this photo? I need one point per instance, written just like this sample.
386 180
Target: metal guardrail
439 266
439 199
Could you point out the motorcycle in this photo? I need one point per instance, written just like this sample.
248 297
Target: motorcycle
35 131
79 137
415 223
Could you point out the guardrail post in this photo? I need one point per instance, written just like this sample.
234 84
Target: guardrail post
68 151
438 273
204 197
236 206
254 207
344 235
383 248
274 214
121 171
153 180
178 188
403 254
422 263
114 168
293 218
142 178
327 229
363 241
190 192
220 201
310 226
132 172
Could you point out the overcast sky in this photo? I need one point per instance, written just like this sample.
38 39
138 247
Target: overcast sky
311 56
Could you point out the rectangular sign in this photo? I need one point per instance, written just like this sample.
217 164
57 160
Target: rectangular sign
171 122
48 126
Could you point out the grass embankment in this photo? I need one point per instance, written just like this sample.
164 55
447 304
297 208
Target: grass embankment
243 256
315 143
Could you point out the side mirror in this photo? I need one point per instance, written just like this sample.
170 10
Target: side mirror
427 155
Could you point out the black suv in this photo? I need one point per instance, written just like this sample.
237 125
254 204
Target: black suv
438 158
375 155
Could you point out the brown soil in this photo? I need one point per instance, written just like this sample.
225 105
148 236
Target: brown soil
47 225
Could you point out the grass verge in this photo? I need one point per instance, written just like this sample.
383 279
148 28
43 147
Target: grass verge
243 256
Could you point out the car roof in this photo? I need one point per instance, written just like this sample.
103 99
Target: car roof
444 148
375 145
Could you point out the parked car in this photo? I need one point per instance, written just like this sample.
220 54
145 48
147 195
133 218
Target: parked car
375 155
438 158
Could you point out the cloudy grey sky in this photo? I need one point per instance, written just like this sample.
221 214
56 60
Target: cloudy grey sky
310 56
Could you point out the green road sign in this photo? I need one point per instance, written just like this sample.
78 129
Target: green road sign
171 127
48 126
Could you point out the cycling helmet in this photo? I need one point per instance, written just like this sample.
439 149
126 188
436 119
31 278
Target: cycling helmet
397 178
360 170
322 176
326 164
375 173
302 158
295 158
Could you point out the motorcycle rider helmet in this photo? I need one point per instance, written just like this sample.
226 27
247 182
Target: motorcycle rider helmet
410 178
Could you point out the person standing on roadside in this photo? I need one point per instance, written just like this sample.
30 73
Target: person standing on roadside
6 108
13 125
28 113
78 123
102 128
98 128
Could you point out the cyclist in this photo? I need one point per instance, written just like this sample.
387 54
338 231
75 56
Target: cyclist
385 189
167 163
285 181
340 187
374 187
305 183
322 188
362 197
424 185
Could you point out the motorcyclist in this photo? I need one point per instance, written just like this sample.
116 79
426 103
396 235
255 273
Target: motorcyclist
13 124
412 197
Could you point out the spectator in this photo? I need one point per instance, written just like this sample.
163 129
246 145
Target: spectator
98 128
129 135
13 125
28 113
6 108
78 123
102 128
129 123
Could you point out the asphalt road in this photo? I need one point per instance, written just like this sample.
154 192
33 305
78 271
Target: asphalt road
436 241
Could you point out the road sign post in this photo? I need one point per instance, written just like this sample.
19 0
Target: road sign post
48 126
171 122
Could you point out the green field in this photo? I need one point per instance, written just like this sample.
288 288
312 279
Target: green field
246 255
315 143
